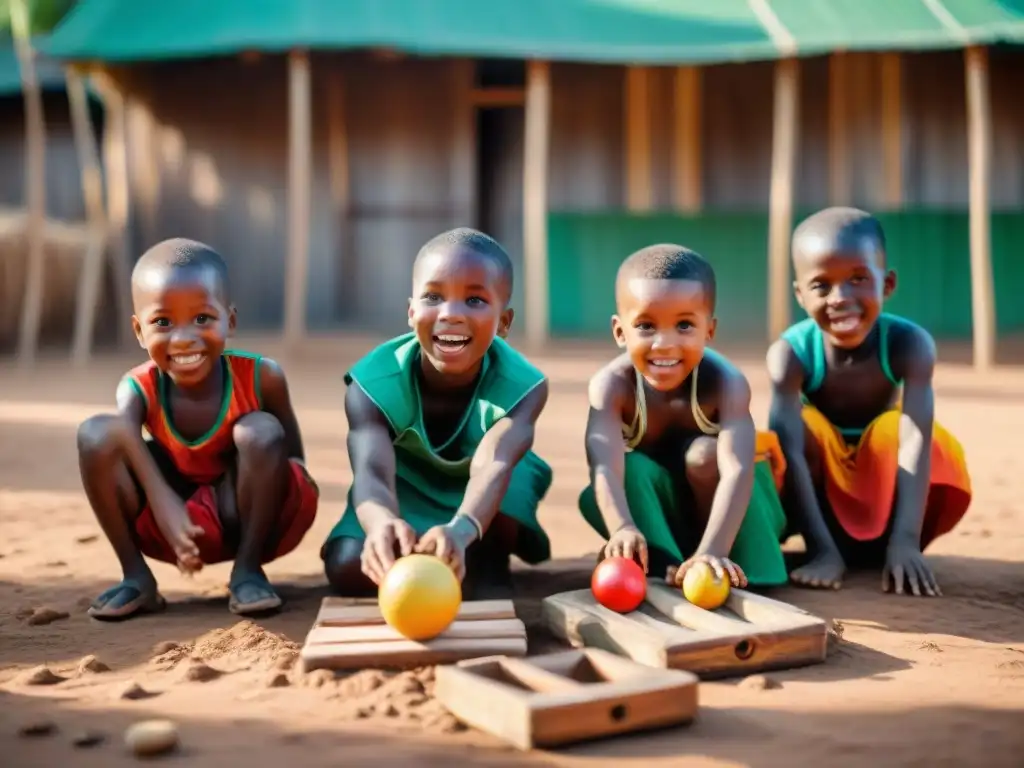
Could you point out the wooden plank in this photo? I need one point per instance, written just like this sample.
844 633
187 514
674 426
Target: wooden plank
780 204
345 612
749 633
482 694
536 148
979 139
405 653
457 630
892 129
840 182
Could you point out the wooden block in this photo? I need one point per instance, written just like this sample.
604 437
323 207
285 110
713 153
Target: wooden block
350 634
563 698
749 633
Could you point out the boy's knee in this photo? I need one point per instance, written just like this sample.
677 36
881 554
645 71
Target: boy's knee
100 435
259 435
702 460
344 569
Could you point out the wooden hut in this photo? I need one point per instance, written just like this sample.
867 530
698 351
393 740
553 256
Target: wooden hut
319 144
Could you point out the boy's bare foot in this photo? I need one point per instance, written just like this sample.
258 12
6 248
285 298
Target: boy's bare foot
824 571
251 593
133 596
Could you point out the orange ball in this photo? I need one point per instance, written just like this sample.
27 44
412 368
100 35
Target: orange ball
419 597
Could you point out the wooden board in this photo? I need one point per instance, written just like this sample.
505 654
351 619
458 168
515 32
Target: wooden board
749 633
351 634
563 698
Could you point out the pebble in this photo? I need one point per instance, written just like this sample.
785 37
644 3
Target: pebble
43 616
87 539
40 675
151 737
90 664
87 739
277 680
198 672
37 728
759 683
132 691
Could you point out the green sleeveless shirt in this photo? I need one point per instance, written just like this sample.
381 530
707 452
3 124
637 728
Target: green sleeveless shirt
431 487
808 344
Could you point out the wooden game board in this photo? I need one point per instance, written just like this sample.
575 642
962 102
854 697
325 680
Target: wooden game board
749 633
560 698
351 634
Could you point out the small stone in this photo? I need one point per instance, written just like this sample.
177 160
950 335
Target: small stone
198 672
89 538
388 710
87 739
132 691
83 603
91 665
34 728
759 683
40 675
151 737
277 680
43 616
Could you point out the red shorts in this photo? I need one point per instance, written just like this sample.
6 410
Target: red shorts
291 525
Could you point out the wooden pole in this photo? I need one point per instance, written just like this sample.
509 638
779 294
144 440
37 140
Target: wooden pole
637 114
92 193
300 163
35 185
979 138
535 201
780 205
687 169
892 130
839 181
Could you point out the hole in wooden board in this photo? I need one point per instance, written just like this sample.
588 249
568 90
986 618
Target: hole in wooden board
618 712
744 649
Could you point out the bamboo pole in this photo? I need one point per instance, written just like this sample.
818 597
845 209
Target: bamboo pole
780 205
300 161
536 145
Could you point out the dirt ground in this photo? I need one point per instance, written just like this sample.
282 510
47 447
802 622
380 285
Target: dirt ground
912 681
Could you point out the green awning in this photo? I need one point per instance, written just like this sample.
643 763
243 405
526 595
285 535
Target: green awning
599 31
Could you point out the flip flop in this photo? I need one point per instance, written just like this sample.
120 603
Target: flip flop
271 602
143 602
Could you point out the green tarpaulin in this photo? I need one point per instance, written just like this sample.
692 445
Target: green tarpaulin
612 31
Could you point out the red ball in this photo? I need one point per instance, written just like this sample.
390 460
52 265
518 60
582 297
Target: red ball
619 584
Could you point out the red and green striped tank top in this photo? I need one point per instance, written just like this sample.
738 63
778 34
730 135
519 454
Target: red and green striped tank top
204 459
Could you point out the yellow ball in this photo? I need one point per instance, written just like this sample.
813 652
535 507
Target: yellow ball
419 597
702 588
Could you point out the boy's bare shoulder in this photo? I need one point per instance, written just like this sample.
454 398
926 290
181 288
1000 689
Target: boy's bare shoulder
912 351
784 366
613 382
722 377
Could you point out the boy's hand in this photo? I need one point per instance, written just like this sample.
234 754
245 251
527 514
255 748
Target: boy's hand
379 547
180 532
627 542
903 560
449 544
722 566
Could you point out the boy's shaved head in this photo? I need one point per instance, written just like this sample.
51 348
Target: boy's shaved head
474 241
174 254
839 230
668 262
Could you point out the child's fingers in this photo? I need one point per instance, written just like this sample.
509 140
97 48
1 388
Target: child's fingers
716 566
406 539
735 574
644 556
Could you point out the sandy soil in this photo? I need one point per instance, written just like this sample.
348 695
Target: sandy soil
912 681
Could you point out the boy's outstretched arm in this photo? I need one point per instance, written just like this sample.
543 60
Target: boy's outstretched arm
606 457
374 498
736 443
278 403
168 509
826 567
490 471
904 560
